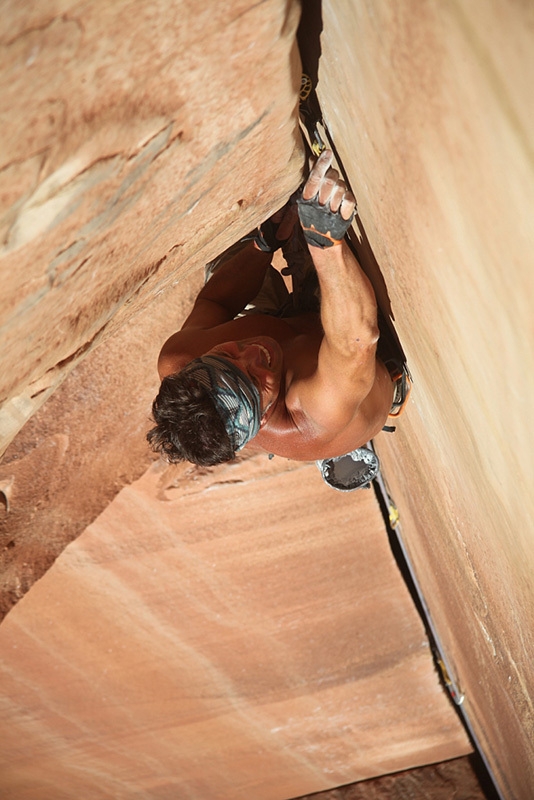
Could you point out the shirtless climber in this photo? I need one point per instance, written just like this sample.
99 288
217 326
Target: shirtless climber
306 386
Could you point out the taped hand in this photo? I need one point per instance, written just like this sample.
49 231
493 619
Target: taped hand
326 207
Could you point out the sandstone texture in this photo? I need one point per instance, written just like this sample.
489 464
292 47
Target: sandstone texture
429 107
84 444
244 632
236 632
137 141
128 159
452 780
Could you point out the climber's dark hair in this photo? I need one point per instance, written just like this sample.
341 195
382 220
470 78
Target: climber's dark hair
188 426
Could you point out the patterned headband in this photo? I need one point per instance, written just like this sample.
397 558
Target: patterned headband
236 398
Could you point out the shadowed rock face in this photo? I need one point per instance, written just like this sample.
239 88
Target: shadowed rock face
84 444
137 142
127 158
451 779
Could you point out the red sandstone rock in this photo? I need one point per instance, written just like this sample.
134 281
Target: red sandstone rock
137 141
438 148
233 632
452 779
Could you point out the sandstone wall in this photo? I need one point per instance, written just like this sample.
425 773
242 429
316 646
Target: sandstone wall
85 443
237 632
137 142
429 105
118 148
452 779
128 157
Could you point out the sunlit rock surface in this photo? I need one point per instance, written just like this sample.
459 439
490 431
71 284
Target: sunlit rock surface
430 111
430 108
234 632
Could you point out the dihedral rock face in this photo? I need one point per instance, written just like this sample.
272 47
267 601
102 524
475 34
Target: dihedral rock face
238 632
441 163
84 444
137 140
271 650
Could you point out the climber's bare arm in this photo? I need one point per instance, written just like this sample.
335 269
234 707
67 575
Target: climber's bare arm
346 369
230 288
238 280
235 283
